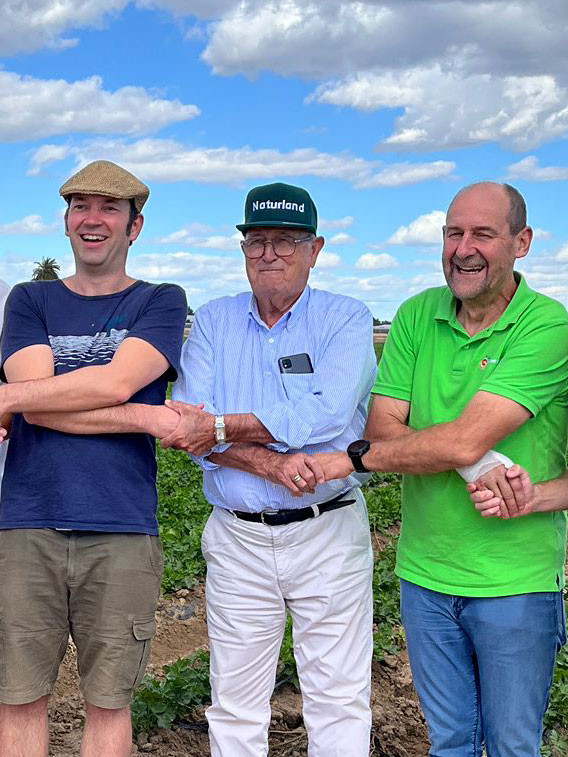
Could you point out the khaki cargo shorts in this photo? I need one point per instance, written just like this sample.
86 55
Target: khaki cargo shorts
102 589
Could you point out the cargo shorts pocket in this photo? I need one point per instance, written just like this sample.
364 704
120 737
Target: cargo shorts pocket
136 654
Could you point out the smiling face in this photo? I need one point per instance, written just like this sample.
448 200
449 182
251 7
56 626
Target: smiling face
286 277
479 249
100 231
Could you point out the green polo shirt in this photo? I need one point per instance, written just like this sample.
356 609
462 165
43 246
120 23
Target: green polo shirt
431 361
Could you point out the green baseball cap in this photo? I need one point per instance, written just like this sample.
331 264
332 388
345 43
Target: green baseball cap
275 205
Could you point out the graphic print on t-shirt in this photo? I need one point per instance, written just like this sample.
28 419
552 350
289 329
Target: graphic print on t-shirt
71 350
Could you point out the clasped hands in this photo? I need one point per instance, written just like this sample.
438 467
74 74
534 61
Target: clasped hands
503 493
195 430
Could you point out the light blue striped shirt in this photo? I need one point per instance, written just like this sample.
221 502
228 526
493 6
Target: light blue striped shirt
230 363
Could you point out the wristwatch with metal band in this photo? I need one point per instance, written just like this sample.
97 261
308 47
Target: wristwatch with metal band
356 450
220 435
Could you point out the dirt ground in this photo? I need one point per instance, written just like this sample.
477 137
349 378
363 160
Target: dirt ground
398 730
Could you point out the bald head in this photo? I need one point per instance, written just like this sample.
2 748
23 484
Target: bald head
517 210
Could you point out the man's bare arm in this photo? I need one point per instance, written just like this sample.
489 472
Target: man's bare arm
136 418
487 419
135 365
387 419
36 362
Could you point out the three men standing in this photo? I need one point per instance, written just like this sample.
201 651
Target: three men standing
283 373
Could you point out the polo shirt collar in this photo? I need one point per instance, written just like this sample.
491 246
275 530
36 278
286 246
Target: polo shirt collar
289 319
446 310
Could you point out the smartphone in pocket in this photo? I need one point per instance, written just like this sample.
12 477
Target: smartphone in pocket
300 363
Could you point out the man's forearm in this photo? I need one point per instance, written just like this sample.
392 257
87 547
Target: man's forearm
156 420
246 428
84 389
550 496
251 458
432 450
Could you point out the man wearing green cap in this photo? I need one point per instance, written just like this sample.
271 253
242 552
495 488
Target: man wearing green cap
79 551
281 372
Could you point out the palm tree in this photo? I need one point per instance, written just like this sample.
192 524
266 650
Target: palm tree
46 270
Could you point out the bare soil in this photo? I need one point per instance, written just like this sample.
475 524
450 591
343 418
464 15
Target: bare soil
398 729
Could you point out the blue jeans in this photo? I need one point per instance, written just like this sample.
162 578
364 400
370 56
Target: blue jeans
483 668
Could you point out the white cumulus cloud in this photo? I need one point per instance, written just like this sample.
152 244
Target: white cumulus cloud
426 229
170 161
214 242
371 261
341 238
328 260
32 225
529 168
32 108
449 108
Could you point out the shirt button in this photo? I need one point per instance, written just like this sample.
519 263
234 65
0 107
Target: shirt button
271 340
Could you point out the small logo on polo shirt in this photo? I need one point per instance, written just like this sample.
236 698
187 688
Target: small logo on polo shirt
487 361
280 205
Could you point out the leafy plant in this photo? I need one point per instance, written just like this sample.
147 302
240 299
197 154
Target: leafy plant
182 513
556 718
389 635
185 686
383 496
287 672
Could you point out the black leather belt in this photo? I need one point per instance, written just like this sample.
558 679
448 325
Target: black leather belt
282 517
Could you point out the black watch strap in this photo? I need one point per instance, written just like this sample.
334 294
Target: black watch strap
356 450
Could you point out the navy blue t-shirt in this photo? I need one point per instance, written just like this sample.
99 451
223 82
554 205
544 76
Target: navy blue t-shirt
102 482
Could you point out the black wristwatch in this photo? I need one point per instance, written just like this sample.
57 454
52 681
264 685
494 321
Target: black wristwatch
356 450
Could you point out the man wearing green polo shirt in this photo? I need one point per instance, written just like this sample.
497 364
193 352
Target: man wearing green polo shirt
478 364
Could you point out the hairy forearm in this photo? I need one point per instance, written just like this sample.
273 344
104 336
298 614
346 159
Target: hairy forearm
245 427
251 458
433 450
84 389
156 420
551 495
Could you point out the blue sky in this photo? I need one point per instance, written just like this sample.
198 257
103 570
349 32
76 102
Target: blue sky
381 108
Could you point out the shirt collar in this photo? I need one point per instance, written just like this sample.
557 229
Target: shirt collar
289 319
446 310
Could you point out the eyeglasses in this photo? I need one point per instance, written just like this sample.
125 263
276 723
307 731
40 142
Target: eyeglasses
283 246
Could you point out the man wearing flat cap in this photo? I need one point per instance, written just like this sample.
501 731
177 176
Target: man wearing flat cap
87 360
283 371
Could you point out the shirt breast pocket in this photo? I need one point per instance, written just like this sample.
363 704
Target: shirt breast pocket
297 385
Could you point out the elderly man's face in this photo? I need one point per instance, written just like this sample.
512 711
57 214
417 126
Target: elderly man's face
479 250
282 276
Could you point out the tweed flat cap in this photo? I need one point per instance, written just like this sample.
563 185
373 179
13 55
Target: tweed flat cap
105 178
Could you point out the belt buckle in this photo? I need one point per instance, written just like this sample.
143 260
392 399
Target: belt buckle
267 512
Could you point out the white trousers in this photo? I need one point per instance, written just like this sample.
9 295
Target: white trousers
321 571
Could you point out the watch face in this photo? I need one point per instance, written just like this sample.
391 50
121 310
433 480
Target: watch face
359 447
